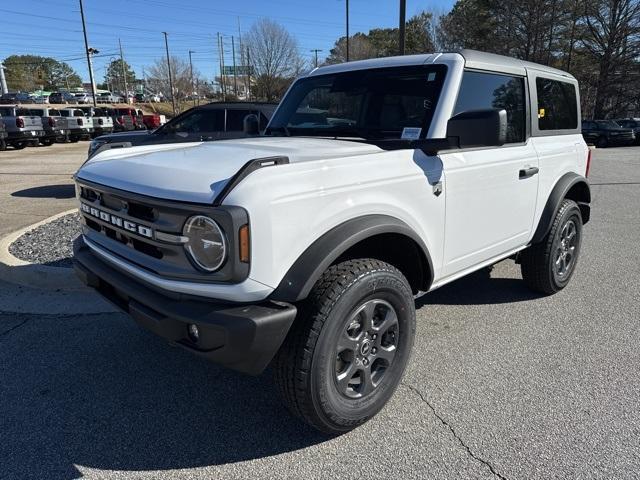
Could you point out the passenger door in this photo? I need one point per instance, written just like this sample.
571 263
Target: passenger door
490 192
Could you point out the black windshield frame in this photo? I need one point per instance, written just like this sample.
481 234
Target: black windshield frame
375 87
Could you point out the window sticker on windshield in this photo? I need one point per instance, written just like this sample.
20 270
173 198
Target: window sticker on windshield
411 133
431 76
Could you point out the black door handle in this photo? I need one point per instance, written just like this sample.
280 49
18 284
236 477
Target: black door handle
529 172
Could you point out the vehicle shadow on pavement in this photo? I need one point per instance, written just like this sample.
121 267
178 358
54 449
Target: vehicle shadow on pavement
98 391
479 288
47 191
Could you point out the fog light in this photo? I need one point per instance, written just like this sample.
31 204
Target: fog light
194 333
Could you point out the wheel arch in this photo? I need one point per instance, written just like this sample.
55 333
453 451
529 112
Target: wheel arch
368 236
572 186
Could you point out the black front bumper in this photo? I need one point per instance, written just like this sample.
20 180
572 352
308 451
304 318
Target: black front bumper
238 336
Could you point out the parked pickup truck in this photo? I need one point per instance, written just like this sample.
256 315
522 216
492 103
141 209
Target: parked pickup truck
3 136
153 120
214 121
22 128
53 123
304 248
80 126
102 121
123 119
607 133
632 123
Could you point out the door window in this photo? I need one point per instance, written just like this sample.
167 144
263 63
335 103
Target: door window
235 119
557 105
492 90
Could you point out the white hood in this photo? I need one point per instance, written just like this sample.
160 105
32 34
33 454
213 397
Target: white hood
197 172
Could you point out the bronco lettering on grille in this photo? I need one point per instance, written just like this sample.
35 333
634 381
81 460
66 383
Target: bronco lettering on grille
117 221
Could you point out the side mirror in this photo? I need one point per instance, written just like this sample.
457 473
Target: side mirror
251 125
479 128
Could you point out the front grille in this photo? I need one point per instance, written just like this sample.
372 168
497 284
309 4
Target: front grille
125 223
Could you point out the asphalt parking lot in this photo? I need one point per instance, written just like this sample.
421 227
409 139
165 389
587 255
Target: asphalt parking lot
502 383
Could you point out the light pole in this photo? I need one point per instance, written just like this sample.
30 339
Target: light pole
402 25
347 23
316 50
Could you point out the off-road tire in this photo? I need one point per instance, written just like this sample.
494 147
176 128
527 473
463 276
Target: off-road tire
538 263
305 368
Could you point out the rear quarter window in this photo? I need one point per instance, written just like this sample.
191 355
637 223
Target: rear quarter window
557 105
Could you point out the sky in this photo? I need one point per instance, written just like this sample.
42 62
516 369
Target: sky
53 27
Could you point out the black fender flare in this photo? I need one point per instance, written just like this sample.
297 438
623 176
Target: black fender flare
559 193
307 269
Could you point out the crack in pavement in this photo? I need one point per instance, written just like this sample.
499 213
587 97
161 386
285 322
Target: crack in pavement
453 432
6 332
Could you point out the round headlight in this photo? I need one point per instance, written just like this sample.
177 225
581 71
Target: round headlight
206 243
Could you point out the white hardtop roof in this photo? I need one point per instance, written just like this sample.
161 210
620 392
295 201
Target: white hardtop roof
472 58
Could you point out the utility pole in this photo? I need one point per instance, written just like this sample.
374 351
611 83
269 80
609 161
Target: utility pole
3 81
347 30
173 97
89 52
124 74
248 74
243 63
235 77
191 69
224 82
316 50
402 25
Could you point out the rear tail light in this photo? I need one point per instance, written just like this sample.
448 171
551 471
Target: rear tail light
80 121
20 122
586 173
52 122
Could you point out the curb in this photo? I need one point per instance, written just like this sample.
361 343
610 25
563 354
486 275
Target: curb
33 275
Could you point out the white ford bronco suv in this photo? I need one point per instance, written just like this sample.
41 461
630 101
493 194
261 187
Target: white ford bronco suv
305 247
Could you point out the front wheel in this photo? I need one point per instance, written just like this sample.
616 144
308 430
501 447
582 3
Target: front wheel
602 142
548 266
346 352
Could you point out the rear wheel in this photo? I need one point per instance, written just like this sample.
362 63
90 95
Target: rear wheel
346 352
47 142
74 139
602 142
19 145
548 266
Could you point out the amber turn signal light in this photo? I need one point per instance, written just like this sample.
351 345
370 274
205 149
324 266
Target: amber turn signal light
243 237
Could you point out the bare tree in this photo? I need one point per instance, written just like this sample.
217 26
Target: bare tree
158 77
613 41
274 57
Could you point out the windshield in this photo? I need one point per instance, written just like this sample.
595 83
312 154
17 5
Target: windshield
372 104
607 124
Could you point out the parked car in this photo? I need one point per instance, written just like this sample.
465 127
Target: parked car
23 129
41 99
53 124
16 98
3 136
108 97
61 98
606 133
305 248
632 123
214 121
83 98
80 126
102 121
123 119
